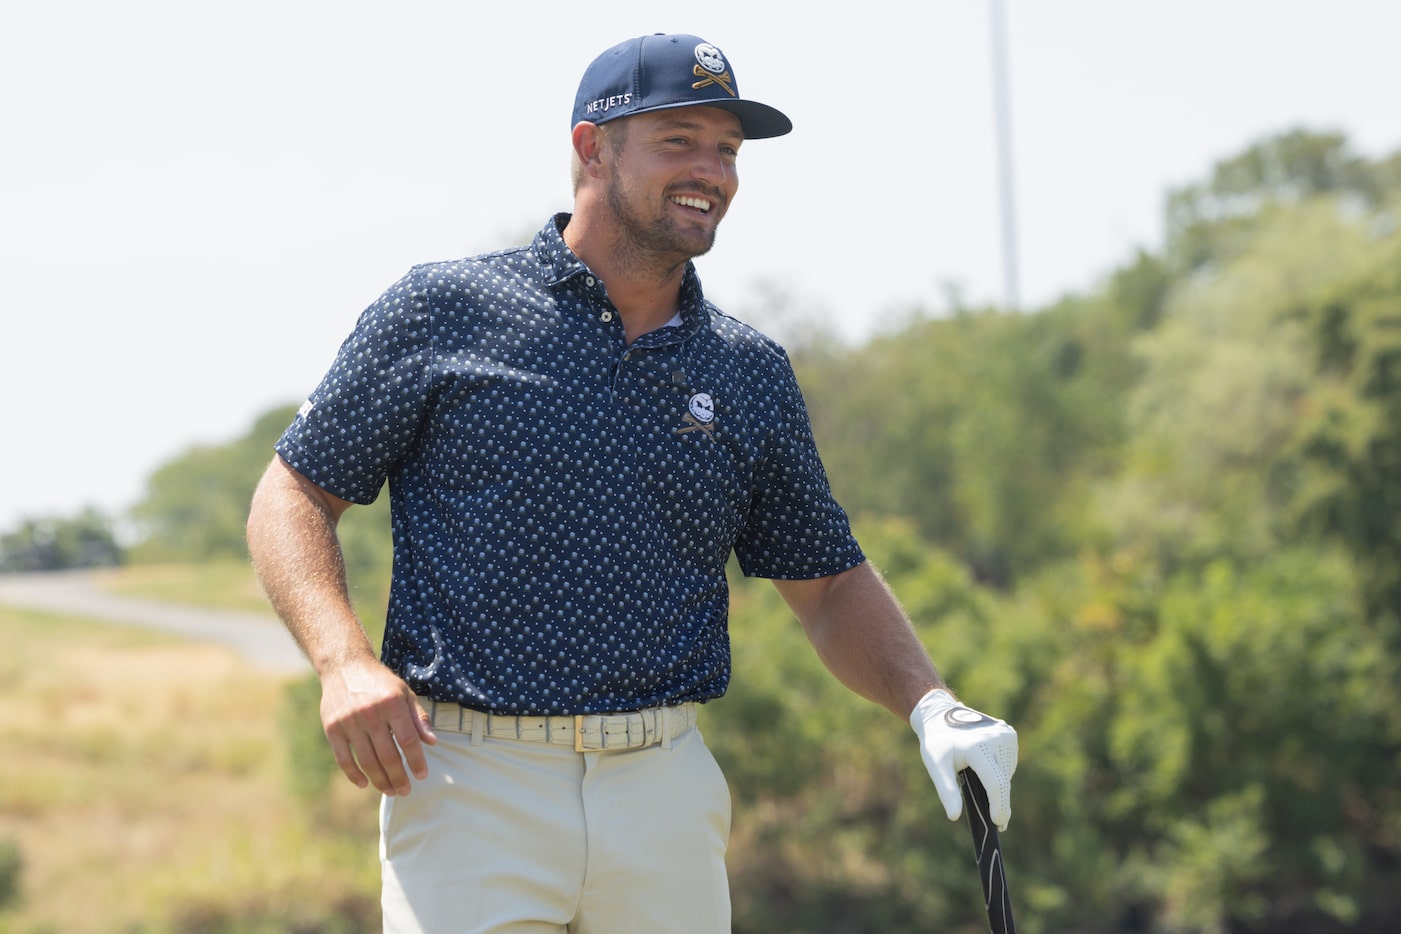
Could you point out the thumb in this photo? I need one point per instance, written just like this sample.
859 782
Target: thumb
946 784
425 725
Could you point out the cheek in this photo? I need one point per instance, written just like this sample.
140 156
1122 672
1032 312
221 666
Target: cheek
731 185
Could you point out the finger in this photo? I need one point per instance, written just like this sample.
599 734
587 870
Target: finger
425 725
998 785
410 728
345 758
946 784
386 764
1000 810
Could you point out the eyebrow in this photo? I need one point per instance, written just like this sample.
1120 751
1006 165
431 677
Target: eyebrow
679 122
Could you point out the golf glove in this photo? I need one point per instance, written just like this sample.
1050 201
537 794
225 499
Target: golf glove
952 738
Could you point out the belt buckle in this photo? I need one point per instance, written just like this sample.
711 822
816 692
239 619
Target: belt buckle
579 733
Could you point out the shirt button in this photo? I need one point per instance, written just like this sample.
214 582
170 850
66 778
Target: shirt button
590 281
606 316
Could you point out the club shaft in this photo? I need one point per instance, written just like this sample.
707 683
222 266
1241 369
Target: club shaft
987 850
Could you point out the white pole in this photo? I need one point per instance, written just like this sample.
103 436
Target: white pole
1010 282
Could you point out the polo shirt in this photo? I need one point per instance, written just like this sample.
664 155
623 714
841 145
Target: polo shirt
564 504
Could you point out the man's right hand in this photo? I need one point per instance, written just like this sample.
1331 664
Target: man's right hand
371 717
375 726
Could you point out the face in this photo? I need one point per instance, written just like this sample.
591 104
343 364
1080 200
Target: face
671 179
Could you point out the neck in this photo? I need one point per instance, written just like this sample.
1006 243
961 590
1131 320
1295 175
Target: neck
646 289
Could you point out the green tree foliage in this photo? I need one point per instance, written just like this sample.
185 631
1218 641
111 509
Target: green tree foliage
11 872
989 430
87 540
1349 435
311 766
1228 375
196 505
1211 736
1212 220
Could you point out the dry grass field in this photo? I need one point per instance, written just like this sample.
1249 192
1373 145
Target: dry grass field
227 585
145 786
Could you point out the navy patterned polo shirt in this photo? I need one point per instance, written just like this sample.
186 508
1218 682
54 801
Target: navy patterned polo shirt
564 504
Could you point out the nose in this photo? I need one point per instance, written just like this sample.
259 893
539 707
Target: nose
712 167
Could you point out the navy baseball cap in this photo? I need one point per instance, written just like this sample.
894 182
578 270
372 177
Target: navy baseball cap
662 71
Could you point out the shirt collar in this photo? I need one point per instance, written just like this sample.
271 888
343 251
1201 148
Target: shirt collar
556 258
561 265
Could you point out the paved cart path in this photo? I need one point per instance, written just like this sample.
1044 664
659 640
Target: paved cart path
259 638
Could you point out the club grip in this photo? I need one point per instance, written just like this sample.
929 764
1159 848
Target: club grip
987 850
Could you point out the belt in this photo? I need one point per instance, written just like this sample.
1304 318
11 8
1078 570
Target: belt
584 732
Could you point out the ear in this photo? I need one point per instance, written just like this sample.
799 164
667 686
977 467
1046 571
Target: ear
588 146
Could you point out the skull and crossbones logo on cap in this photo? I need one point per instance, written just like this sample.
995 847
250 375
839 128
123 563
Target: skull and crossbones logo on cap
710 68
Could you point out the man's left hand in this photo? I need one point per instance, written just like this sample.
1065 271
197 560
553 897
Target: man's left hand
952 738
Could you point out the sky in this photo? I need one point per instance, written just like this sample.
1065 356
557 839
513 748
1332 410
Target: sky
198 199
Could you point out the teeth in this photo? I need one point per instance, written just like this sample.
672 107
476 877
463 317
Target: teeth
700 204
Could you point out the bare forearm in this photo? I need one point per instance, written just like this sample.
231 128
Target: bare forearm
864 638
299 563
374 725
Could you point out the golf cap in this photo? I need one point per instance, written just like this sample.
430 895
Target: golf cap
662 71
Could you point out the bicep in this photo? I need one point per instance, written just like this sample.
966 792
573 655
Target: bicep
283 484
811 599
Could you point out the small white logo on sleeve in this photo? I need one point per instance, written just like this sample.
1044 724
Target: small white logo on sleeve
305 409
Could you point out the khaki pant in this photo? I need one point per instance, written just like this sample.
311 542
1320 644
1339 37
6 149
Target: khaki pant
514 837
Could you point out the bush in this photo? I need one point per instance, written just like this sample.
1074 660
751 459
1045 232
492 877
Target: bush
311 765
11 869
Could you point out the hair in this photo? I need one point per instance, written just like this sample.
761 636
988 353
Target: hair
614 134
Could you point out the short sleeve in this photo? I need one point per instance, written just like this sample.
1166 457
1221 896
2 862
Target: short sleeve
367 411
796 530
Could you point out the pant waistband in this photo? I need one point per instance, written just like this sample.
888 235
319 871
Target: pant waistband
585 732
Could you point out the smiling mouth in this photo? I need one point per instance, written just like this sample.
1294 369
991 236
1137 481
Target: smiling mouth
694 202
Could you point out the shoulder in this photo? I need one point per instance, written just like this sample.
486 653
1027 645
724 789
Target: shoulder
743 339
743 362
507 281
481 272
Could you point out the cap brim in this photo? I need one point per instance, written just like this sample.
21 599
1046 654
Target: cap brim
758 121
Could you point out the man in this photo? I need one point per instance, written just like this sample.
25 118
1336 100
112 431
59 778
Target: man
575 442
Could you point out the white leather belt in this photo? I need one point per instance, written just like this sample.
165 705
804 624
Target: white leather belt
584 732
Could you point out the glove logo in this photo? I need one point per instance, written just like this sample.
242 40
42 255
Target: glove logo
963 718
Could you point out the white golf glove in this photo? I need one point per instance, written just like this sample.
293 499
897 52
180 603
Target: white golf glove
952 738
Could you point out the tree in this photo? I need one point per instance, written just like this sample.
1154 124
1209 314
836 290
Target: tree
989 431
1348 437
11 871
1208 221
87 540
196 505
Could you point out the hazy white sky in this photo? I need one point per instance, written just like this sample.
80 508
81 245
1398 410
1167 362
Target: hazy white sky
197 199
